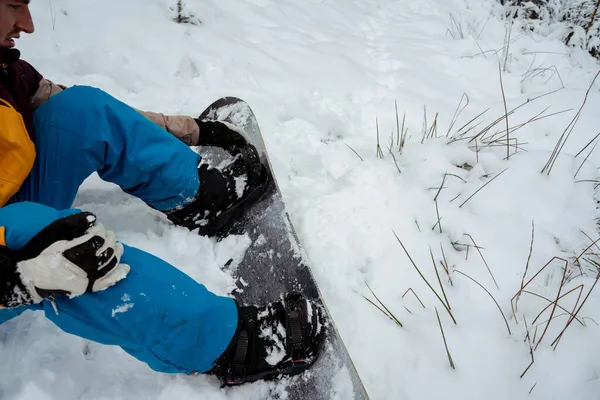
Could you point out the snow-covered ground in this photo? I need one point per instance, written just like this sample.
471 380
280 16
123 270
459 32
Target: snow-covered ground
319 74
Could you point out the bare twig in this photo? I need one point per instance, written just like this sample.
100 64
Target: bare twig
592 19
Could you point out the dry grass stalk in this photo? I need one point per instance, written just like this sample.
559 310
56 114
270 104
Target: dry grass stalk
445 342
528 338
425 279
445 264
403 134
530 252
397 123
424 127
414 294
485 130
468 123
505 111
514 306
586 158
388 313
533 119
492 297
438 278
458 112
567 132
379 308
587 145
379 151
481 188
533 387
518 294
485 262
433 130
394 158
555 303
559 337
550 302
354 151
439 219
586 249
515 298
440 188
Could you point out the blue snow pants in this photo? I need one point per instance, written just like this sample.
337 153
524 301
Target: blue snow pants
157 314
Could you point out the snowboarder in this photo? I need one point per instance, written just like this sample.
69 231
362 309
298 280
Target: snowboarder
64 262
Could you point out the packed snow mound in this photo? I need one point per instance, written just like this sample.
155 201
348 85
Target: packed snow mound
375 114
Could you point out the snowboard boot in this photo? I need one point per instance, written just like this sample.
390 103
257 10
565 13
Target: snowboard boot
224 194
281 338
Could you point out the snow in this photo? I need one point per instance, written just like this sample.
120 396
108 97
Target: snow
319 74
123 308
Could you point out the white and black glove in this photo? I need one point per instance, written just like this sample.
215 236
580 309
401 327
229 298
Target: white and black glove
69 257
221 134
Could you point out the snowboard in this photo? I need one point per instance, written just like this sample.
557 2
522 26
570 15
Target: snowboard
275 264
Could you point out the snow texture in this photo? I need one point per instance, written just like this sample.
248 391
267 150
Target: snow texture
319 74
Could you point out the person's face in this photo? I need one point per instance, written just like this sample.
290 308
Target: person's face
14 19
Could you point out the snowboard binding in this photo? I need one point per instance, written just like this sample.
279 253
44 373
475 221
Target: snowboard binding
281 338
224 194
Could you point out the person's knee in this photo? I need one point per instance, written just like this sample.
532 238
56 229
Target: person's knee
79 98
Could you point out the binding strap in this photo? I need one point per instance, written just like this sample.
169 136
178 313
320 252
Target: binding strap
237 372
294 330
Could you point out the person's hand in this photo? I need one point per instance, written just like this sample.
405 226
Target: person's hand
221 134
71 256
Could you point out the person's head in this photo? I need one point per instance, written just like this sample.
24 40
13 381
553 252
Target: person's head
14 19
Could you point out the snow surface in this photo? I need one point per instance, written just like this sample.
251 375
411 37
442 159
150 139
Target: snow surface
318 73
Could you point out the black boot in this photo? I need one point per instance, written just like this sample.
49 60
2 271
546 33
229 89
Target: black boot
224 194
281 338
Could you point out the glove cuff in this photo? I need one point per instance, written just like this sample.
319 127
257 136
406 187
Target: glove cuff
13 292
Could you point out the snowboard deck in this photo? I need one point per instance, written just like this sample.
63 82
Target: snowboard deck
275 264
